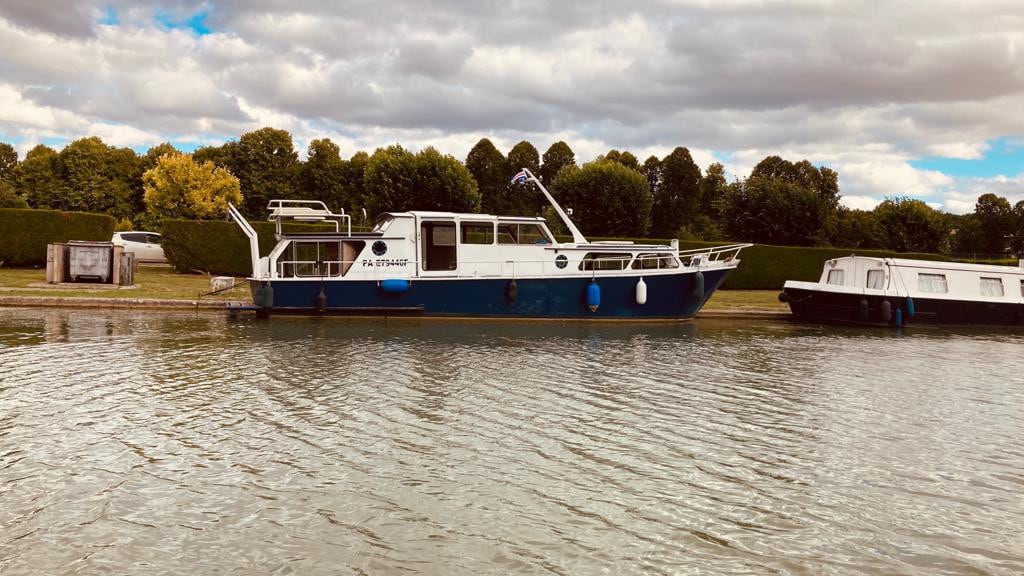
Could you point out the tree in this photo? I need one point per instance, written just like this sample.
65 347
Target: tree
266 165
490 170
996 223
854 229
398 180
677 201
627 159
558 156
774 211
8 161
519 202
652 171
606 197
35 178
8 198
180 187
823 181
355 172
322 175
910 225
1017 241
95 177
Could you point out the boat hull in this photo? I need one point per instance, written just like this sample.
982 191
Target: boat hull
846 308
668 297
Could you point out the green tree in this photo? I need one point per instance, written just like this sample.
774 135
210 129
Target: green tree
823 181
95 177
774 211
355 177
520 201
652 171
910 225
223 156
677 201
8 161
854 229
180 187
606 197
627 159
36 180
1017 241
8 198
996 221
266 165
558 156
490 170
323 175
398 180
152 156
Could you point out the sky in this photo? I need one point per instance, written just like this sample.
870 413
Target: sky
919 99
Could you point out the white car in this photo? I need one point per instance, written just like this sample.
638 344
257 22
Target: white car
145 245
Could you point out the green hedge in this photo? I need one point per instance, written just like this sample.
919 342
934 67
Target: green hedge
24 234
217 246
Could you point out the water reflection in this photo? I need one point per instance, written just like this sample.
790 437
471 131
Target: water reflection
198 443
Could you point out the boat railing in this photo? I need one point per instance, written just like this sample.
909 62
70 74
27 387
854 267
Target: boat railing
311 211
698 256
605 265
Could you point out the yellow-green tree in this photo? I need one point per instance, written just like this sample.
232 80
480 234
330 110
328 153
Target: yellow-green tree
179 187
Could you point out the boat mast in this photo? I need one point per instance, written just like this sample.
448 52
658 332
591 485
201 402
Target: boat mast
577 236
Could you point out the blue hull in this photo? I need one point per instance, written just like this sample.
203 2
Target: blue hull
668 297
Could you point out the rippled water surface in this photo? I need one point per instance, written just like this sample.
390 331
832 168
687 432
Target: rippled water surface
142 443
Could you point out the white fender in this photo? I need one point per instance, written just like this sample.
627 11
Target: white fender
641 292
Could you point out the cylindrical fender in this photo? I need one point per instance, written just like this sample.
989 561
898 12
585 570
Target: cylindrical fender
641 292
593 296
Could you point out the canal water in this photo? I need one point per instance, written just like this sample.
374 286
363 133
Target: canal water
144 443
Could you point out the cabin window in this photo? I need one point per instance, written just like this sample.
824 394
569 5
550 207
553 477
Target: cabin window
477 233
312 259
383 223
605 261
835 277
992 287
934 283
438 245
876 279
513 233
654 262
1022 287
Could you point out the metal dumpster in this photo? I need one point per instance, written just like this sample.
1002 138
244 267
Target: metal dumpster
91 259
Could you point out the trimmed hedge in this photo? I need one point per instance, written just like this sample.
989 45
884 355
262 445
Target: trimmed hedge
217 246
24 234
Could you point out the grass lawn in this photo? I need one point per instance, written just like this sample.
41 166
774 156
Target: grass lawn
746 300
159 282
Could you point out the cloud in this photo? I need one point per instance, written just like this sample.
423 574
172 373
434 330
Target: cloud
865 88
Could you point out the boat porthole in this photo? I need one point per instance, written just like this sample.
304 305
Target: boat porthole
379 248
561 261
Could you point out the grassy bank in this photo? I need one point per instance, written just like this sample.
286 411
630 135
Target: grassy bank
163 283
153 282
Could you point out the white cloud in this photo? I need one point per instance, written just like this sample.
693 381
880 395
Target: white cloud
863 88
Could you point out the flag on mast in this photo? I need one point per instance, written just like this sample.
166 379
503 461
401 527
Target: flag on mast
520 177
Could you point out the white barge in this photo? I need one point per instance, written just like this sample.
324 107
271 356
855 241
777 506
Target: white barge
474 265
895 291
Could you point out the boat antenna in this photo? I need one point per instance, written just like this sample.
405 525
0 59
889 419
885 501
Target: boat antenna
577 236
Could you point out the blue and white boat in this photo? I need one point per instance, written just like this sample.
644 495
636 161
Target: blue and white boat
474 265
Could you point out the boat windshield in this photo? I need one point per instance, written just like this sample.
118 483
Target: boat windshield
382 223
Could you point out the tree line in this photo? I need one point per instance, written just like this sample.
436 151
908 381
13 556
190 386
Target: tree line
780 202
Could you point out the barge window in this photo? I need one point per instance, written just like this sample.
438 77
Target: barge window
654 262
1022 287
935 283
835 277
477 233
992 287
876 279
605 261
438 240
511 233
